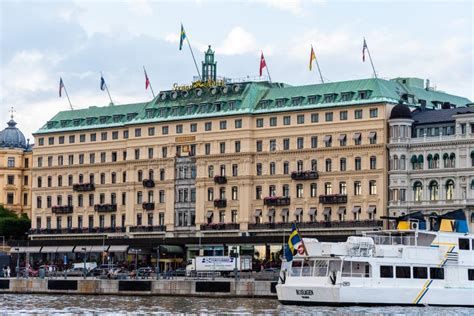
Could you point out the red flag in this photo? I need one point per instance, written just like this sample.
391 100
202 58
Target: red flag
263 64
147 81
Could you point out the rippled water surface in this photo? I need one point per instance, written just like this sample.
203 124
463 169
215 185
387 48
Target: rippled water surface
15 304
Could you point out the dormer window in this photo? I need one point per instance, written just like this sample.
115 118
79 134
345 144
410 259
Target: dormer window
117 118
297 101
280 102
364 94
218 107
76 122
148 113
64 123
409 98
313 99
264 104
103 119
231 105
346 96
50 124
131 116
328 98
189 110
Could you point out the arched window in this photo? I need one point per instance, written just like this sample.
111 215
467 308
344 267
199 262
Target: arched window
436 161
434 191
449 190
395 163
446 160
420 162
430 161
150 174
452 160
81 178
299 165
314 165
402 162
418 191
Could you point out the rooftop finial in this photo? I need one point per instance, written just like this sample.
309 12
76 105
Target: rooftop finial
12 110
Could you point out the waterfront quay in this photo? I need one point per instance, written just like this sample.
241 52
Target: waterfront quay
218 287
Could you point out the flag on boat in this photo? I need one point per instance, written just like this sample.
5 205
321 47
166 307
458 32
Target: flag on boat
102 83
61 86
312 57
295 244
364 48
263 63
182 37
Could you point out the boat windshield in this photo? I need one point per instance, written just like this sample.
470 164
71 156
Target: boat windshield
314 267
407 238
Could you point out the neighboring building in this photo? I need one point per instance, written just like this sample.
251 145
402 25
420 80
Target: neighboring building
15 170
229 160
431 160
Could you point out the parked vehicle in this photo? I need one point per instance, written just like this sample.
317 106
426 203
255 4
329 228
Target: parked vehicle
89 265
222 264
77 272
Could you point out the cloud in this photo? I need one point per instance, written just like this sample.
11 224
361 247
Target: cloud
292 6
172 38
237 42
141 7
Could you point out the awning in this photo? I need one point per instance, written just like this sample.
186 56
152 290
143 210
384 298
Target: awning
341 210
371 209
284 212
327 138
65 249
80 249
25 250
99 248
356 136
298 211
372 135
49 249
171 249
312 211
210 214
257 213
118 248
18 250
327 211
271 212
141 251
356 209
342 137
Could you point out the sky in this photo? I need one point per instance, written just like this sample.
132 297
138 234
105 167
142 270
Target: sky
41 41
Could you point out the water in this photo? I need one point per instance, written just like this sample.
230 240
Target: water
35 304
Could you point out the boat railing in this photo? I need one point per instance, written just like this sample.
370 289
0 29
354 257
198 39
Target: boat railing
355 275
394 240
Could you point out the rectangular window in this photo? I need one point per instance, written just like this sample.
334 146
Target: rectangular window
470 274
464 243
223 125
61 139
260 122
179 129
72 139
286 120
343 115
420 272
374 112
164 130
300 119
222 147
103 136
272 144
314 117
207 149
314 141
193 127
208 126
273 121
403 272
300 142
151 131
328 116
286 144
259 146
125 134
138 132
238 123
357 114
51 141
386 271
437 273
137 154
237 146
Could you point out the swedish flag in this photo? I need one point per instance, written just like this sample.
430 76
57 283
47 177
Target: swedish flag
293 241
182 37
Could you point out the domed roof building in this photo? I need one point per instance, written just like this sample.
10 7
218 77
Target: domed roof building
400 111
15 169
12 137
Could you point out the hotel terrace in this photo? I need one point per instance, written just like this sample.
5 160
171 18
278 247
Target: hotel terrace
230 159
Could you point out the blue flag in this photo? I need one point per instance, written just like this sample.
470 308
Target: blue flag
182 37
102 83
288 254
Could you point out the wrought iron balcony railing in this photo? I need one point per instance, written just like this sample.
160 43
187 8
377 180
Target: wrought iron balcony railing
333 199
276 201
304 175
105 208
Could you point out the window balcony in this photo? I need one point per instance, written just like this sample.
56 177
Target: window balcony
62 209
304 175
105 208
220 179
83 187
221 203
276 201
141 229
220 226
148 206
148 183
261 226
333 199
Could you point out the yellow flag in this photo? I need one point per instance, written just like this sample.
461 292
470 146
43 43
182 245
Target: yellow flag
311 58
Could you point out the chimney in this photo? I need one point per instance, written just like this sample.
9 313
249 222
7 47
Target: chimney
427 84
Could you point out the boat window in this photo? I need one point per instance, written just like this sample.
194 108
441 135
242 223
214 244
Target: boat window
463 244
470 274
403 272
320 268
308 266
437 273
356 269
420 272
386 271
296 268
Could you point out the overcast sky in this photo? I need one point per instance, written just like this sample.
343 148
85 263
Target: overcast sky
43 40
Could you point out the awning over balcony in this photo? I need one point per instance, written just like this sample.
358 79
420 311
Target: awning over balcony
65 249
118 248
327 211
284 212
257 213
356 136
312 211
49 249
341 210
372 135
298 211
209 214
356 209
371 209
271 212
342 137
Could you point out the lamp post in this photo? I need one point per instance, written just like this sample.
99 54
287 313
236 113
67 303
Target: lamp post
158 262
17 249
84 258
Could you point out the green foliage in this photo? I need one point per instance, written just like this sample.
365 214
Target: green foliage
12 226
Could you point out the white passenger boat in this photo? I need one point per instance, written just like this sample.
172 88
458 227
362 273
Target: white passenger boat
406 266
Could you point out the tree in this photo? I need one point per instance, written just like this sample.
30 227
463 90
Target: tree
13 226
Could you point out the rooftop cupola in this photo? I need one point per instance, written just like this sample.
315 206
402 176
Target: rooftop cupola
209 66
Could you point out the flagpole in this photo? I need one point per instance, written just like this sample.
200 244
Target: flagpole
317 65
302 241
107 88
370 58
67 95
149 82
266 67
194 59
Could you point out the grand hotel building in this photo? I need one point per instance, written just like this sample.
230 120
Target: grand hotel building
235 159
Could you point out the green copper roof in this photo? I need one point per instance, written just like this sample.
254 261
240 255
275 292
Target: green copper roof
249 98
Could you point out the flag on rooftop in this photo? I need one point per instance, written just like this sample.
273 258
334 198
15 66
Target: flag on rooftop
102 83
312 57
182 37
61 86
364 48
147 81
263 64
